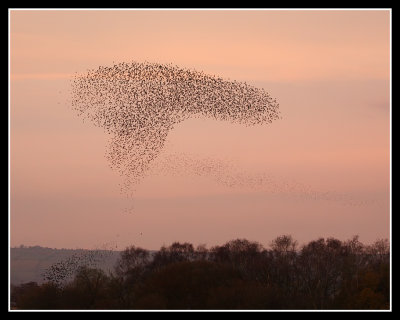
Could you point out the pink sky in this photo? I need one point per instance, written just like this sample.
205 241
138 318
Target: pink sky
329 70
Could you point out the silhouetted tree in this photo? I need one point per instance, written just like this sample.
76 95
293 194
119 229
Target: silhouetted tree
129 271
283 265
241 254
176 252
132 263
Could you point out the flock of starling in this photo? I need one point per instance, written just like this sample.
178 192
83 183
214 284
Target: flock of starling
139 103
63 271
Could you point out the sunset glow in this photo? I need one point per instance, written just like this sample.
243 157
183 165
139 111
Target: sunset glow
322 169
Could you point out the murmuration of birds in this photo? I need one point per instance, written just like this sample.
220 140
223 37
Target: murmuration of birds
64 270
139 103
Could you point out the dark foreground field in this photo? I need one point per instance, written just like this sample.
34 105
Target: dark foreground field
323 274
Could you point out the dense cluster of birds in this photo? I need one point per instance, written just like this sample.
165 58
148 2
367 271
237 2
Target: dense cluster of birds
63 271
139 103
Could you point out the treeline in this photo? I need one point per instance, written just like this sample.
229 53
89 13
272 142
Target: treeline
322 274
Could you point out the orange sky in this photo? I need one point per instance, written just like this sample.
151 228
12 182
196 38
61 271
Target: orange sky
329 69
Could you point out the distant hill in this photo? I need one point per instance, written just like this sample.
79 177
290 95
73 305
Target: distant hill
29 263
